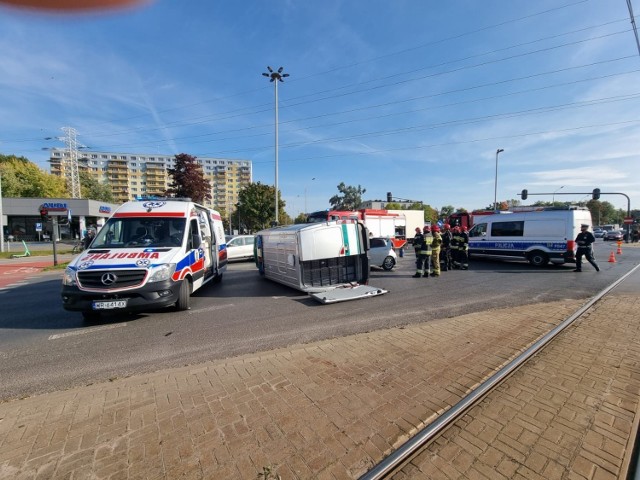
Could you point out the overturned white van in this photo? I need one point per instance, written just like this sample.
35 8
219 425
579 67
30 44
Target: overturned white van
318 258
538 236
149 254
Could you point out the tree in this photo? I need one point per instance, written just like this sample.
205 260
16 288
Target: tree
602 212
446 210
351 198
94 190
430 214
256 206
23 178
301 218
393 206
188 180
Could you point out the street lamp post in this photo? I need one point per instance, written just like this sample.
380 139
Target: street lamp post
1 218
306 210
495 188
276 77
553 197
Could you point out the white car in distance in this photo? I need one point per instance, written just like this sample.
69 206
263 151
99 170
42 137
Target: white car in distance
240 247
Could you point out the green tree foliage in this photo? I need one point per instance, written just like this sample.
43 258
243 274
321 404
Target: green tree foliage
94 190
22 178
446 210
603 213
393 206
430 214
301 218
350 198
188 180
257 207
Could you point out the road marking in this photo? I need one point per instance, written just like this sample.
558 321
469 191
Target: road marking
86 330
208 309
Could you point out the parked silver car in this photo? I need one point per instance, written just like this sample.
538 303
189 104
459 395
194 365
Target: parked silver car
381 253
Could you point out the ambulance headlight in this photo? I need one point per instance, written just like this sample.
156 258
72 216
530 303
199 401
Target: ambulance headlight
161 273
69 277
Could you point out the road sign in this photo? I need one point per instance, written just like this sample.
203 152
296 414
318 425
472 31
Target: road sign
38 227
628 220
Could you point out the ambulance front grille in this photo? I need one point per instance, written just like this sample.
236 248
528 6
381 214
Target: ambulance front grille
330 271
99 279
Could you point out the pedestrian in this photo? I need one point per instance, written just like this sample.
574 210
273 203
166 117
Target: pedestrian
88 238
585 240
445 250
435 250
417 242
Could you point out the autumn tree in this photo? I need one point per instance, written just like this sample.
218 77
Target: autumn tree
187 180
256 206
94 190
350 198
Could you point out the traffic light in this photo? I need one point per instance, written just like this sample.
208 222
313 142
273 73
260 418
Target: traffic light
596 194
524 194
44 214
389 197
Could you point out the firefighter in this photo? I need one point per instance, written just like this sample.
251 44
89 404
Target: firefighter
445 250
463 249
424 254
455 243
417 242
435 250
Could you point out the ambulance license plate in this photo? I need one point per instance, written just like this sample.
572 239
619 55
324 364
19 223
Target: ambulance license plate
109 305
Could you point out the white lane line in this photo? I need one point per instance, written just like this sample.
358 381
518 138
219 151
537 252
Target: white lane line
209 309
85 331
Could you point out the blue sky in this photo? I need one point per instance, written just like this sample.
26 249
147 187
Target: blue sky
412 97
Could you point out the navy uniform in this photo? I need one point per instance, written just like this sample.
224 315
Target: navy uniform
445 251
585 240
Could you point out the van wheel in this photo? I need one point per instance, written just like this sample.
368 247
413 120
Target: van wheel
388 263
538 258
184 296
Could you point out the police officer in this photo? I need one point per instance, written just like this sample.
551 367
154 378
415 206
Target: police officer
445 250
585 240
435 250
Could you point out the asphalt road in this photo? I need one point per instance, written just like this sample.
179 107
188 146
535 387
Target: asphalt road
43 348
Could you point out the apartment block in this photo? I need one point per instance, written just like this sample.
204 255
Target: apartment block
131 175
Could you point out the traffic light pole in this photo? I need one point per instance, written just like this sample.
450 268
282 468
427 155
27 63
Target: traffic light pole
596 195
54 238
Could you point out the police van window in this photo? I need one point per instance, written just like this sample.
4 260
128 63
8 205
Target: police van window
479 230
507 229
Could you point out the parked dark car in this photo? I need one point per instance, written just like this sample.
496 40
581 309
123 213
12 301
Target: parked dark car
613 235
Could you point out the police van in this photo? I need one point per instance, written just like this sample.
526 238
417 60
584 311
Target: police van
149 254
539 236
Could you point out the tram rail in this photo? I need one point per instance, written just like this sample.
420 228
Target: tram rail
397 459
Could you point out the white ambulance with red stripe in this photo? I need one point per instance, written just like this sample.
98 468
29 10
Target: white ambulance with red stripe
151 253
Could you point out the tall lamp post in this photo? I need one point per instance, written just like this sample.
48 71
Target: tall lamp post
305 197
495 188
275 77
1 218
553 197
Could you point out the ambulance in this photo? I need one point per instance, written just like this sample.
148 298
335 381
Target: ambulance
151 253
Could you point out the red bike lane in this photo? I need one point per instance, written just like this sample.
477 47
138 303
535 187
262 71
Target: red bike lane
17 270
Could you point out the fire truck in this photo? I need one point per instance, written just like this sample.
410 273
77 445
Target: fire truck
379 222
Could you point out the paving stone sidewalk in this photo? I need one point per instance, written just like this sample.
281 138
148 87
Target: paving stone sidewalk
326 410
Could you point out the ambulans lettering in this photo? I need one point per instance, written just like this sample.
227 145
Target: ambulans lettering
132 255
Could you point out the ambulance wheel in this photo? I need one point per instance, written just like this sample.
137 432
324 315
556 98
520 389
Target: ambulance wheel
538 258
388 263
184 296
